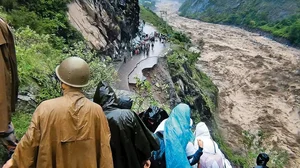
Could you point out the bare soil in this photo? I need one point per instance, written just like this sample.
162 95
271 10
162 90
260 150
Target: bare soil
159 77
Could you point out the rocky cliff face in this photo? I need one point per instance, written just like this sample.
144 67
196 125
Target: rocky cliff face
268 10
105 23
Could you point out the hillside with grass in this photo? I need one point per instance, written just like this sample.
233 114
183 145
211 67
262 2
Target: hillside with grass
43 38
281 18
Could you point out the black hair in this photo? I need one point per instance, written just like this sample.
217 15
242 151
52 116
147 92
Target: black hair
262 159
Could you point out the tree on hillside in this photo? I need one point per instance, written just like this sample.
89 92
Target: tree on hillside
294 34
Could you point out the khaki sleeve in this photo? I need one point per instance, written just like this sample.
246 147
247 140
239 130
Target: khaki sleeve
4 110
25 154
106 159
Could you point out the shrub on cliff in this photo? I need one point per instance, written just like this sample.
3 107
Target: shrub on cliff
37 59
44 17
163 27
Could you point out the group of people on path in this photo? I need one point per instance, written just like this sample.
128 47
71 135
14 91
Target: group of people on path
71 131
147 43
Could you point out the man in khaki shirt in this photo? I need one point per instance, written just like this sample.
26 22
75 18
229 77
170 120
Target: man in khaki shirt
69 131
8 86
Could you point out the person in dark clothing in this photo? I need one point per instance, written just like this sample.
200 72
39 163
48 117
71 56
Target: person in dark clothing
131 141
262 160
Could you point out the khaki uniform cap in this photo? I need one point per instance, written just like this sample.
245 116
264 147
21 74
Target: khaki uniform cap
74 72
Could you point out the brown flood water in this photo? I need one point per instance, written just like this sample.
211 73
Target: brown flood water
258 79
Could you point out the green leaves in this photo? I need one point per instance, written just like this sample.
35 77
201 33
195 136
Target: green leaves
44 17
294 33
144 96
37 59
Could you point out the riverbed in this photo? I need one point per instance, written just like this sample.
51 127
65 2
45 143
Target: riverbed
258 81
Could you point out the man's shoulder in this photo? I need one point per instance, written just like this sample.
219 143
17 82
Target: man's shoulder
52 102
61 101
93 105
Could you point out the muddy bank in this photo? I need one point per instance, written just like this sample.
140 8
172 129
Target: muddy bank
258 81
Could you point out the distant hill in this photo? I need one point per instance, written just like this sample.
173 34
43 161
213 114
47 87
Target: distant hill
149 4
279 17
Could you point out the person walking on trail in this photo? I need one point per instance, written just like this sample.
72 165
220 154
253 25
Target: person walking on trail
8 87
68 131
212 156
131 141
176 137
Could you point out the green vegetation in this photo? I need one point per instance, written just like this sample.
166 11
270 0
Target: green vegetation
148 4
280 18
44 17
144 97
37 59
43 38
254 143
162 26
181 64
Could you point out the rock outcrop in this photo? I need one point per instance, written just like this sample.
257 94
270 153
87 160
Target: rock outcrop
193 86
105 24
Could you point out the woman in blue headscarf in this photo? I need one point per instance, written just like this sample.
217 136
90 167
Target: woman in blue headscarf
178 139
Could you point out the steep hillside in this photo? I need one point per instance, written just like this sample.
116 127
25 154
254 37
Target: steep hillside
279 17
149 4
105 23
257 80
46 32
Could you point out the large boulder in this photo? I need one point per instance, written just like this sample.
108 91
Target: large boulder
105 23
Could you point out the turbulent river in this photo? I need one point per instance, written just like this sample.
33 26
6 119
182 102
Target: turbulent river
258 81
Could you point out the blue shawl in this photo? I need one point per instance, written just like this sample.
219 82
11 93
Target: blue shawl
176 136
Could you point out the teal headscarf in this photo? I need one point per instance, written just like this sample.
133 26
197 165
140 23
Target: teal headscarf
177 134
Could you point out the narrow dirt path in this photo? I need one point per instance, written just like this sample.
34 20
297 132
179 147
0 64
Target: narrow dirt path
258 79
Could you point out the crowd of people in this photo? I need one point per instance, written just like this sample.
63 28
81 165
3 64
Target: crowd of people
72 131
146 43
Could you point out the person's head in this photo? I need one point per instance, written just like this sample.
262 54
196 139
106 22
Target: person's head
202 130
105 95
177 134
182 113
262 159
73 72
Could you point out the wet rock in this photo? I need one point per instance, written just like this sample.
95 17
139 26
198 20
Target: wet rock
157 85
194 50
26 103
297 72
105 24
120 93
298 137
